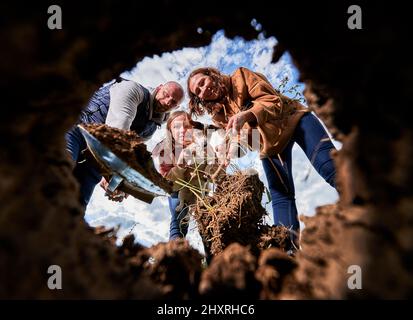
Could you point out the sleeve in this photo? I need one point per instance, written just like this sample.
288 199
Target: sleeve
266 103
165 168
125 96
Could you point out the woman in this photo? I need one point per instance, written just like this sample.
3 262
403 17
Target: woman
247 100
179 153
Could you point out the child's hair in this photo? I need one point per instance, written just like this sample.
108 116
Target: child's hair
176 114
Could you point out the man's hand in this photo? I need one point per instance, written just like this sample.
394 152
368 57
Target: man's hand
116 196
237 121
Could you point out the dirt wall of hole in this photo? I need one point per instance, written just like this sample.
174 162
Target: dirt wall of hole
357 83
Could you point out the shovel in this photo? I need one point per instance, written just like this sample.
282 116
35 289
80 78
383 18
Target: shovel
122 176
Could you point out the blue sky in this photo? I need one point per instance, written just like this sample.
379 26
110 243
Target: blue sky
150 223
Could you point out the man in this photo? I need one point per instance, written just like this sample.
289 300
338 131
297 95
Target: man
122 104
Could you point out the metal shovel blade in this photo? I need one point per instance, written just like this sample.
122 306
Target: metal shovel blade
119 168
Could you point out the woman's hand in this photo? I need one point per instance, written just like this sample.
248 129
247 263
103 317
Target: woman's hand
237 121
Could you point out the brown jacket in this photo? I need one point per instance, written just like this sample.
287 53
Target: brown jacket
277 115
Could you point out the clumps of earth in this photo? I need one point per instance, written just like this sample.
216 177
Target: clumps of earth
248 258
245 258
233 214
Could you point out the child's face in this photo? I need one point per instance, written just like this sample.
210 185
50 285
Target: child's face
181 131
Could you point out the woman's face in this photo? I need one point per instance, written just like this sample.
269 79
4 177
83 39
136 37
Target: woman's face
181 130
204 87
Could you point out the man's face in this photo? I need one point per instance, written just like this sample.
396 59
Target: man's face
167 98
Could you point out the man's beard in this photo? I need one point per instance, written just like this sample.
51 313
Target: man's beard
158 108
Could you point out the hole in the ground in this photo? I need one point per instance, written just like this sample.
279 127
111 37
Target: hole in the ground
367 97
150 222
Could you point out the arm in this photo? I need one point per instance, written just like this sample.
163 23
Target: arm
265 99
266 103
168 169
124 99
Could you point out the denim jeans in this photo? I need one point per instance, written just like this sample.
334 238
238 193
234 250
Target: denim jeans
309 135
177 228
179 224
85 173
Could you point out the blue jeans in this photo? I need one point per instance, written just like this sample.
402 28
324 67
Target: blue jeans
177 228
86 174
309 135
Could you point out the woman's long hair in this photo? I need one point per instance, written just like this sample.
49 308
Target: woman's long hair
197 105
